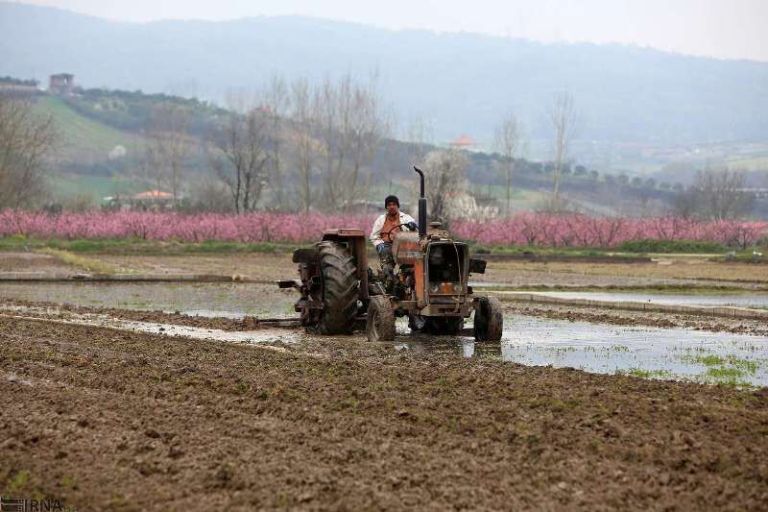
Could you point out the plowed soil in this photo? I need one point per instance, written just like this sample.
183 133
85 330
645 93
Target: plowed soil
109 420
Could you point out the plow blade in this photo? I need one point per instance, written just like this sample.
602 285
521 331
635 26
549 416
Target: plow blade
278 322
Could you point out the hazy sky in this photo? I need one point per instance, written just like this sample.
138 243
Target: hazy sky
718 28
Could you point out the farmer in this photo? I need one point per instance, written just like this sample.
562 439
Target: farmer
384 228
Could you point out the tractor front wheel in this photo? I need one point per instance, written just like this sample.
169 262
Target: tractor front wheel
489 319
380 324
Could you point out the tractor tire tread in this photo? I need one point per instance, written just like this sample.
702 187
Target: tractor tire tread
489 320
340 289
380 324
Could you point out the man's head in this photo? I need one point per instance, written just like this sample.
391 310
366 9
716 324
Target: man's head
392 204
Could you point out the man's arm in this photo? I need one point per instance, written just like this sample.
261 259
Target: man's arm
409 221
376 231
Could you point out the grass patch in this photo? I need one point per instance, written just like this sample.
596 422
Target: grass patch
710 360
88 264
715 362
725 370
672 246
757 254
139 246
647 374
721 373
17 483
534 252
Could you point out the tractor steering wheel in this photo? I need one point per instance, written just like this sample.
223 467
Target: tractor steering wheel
388 233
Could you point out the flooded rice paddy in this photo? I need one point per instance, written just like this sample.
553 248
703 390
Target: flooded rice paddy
232 300
743 300
678 353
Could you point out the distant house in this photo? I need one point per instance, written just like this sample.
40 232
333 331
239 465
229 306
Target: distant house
153 195
463 141
150 200
61 84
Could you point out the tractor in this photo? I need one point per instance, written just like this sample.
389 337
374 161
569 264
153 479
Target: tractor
428 282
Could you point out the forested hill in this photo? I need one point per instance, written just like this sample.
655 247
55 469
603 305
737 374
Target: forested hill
103 139
458 83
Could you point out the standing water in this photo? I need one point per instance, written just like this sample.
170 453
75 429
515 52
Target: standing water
602 348
684 354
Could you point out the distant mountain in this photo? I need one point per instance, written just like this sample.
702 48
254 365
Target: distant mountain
460 83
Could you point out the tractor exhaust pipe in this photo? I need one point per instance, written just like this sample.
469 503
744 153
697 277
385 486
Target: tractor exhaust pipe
422 206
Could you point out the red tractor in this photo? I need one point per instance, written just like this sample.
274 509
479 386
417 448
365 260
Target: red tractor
430 285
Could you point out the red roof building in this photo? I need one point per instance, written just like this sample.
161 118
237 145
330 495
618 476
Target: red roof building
463 141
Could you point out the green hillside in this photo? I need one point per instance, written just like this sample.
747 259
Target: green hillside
82 140
67 186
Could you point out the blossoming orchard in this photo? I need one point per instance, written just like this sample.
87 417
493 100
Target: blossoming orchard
534 229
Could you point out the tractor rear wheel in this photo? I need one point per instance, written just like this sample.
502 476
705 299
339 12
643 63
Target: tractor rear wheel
340 289
489 319
380 324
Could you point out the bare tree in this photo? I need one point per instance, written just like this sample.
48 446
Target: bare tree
276 104
333 152
716 194
305 145
507 144
562 115
169 146
25 140
367 127
420 136
350 125
151 166
242 157
444 173
209 194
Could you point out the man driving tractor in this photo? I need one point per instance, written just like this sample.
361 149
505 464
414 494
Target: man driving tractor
431 286
386 226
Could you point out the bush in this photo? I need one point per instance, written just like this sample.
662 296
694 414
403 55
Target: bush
671 246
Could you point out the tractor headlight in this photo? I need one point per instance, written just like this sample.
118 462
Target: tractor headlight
457 288
435 288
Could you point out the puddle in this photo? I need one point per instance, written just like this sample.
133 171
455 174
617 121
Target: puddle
750 300
643 351
232 300
682 354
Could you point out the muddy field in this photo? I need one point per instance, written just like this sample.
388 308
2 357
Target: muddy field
669 272
665 272
112 419
109 420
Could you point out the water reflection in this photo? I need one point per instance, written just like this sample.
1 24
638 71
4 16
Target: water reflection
745 300
600 348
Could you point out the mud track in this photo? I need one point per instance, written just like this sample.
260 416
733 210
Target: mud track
110 420
55 311
592 314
